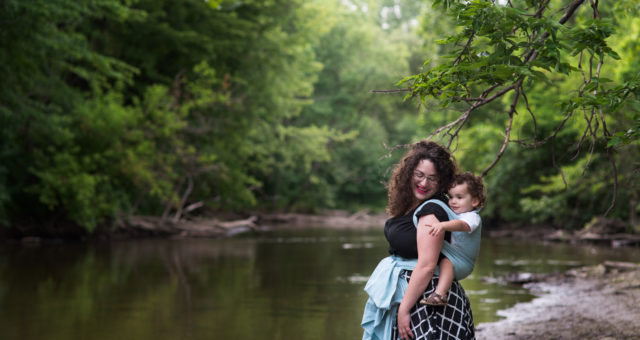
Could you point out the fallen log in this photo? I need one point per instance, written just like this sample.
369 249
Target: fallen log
247 223
156 226
621 265
613 240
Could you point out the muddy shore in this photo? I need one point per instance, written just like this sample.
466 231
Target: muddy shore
595 302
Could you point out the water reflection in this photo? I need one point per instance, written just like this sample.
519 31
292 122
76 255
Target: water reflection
280 285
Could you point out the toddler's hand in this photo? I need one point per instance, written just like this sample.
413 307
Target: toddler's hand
436 229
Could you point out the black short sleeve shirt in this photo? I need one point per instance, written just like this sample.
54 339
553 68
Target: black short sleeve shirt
401 233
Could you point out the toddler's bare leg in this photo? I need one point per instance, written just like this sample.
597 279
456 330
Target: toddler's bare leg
446 277
439 297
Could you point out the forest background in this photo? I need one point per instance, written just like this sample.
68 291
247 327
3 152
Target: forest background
116 108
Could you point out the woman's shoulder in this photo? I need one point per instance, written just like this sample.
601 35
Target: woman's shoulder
435 205
437 201
440 197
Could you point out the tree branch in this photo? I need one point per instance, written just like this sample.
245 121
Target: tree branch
390 91
533 116
184 198
555 165
615 181
465 48
502 149
546 139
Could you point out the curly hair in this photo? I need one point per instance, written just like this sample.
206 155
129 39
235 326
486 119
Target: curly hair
400 191
474 185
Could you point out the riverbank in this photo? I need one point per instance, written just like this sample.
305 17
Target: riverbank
226 225
234 225
595 302
600 230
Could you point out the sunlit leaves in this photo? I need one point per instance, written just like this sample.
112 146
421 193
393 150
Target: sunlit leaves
591 37
626 137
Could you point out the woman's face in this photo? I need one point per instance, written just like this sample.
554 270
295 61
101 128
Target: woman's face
425 180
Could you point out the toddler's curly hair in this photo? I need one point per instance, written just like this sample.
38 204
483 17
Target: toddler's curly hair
475 186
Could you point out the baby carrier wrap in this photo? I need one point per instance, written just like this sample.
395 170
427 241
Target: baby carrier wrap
464 246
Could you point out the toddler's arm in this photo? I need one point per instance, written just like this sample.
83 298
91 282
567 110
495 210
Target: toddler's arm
453 225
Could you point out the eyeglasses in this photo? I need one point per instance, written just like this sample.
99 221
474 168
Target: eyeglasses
419 176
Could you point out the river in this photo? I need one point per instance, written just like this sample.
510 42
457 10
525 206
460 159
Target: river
288 284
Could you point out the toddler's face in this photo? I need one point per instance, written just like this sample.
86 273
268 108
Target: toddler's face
460 199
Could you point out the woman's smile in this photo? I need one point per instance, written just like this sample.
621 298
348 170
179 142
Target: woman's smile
425 180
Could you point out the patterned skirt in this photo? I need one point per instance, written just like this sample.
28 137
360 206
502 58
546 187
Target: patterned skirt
453 321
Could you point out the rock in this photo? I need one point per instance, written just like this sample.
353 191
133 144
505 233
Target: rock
522 278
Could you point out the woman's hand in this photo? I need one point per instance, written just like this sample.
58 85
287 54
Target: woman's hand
404 323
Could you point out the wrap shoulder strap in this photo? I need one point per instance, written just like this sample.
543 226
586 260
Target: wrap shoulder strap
452 215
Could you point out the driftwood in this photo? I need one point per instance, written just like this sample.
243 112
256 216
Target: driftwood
614 240
621 265
211 228
328 219
600 230
520 278
156 226
248 223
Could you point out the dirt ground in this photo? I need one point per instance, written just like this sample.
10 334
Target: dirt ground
596 302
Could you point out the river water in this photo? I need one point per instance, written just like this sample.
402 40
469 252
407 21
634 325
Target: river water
289 284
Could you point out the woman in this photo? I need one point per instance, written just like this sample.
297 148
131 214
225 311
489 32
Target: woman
425 172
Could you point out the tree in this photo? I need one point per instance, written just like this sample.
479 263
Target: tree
116 107
47 68
503 52
356 54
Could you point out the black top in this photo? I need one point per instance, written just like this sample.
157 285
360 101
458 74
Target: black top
401 233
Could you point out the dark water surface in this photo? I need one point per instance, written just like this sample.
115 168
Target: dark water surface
278 285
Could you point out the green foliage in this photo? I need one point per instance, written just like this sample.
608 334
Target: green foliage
550 78
113 108
110 108
626 137
48 68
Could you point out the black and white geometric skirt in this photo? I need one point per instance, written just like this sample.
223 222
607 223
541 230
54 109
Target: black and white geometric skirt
454 321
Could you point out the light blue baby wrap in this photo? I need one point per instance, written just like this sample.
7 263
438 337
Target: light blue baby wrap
462 252
386 289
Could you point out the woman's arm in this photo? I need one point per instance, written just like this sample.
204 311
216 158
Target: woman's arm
428 253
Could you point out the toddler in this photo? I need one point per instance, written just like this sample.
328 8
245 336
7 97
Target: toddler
467 196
